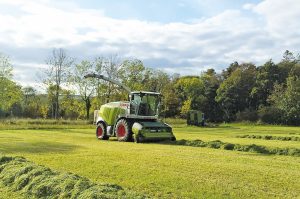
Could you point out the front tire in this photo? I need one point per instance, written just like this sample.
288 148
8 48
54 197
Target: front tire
101 132
123 131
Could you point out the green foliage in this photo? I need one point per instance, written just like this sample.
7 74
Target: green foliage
234 93
190 91
72 107
247 115
270 115
10 94
266 77
287 100
209 106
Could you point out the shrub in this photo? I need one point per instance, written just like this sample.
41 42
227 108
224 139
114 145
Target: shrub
247 115
270 115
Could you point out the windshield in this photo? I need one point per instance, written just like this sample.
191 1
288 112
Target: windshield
144 104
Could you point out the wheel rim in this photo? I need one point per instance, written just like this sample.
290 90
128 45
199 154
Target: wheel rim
99 132
121 130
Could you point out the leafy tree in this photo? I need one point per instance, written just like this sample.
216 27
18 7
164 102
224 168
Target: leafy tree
288 100
227 72
267 76
72 106
234 93
10 92
31 102
190 90
209 106
286 65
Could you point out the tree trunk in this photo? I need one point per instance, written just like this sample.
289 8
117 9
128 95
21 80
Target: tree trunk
87 107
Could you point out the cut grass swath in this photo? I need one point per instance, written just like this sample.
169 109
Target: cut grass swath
41 182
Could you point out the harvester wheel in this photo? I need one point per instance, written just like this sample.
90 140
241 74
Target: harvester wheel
123 131
101 132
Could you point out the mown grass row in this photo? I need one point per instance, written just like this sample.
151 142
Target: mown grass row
37 181
271 137
217 144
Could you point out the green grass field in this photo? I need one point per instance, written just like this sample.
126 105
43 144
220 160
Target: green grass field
163 170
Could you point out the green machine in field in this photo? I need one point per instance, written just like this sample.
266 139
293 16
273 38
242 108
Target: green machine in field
133 120
196 118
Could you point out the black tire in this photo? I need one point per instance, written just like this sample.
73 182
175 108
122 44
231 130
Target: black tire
123 131
139 139
101 133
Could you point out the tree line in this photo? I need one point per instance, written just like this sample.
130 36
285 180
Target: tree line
269 93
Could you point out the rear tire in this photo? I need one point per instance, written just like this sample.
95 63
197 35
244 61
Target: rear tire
101 132
123 131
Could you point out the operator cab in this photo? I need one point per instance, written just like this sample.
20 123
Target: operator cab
144 103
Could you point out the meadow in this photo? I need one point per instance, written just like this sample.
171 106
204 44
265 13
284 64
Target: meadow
164 170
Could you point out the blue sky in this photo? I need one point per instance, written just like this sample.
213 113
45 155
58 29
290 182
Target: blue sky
164 11
183 36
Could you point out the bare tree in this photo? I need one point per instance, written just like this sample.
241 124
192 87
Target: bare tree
113 69
6 67
59 64
85 87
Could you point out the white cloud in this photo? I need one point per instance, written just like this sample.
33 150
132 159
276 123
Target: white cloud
264 32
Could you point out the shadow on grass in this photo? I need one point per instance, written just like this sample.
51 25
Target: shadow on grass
37 147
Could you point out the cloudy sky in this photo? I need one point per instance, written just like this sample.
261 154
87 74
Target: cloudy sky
182 36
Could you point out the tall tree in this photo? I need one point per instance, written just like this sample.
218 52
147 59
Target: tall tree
112 68
85 87
132 74
234 93
31 102
209 106
10 92
288 100
285 66
59 64
267 76
6 67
